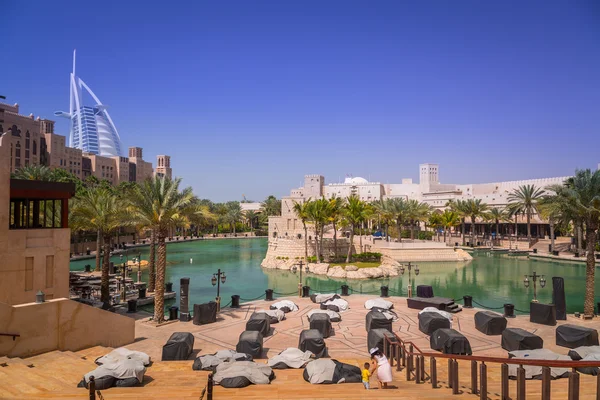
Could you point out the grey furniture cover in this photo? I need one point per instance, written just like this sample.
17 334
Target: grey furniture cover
123 373
489 322
377 320
375 339
209 362
205 313
284 305
581 352
333 316
275 315
250 342
325 371
259 322
535 372
321 323
430 322
179 347
572 336
238 374
544 314
312 340
520 339
290 358
450 341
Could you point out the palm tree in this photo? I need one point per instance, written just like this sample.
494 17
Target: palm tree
475 209
435 221
33 173
355 212
317 214
301 210
389 210
524 200
251 216
498 215
105 213
558 208
271 206
449 219
334 213
157 203
460 208
417 212
234 214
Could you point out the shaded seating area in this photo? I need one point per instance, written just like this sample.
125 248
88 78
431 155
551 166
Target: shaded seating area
205 313
520 339
377 320
375 339
450 341
430 322
326 371
573 336
321 323
259 322
179 347
312 340
250 342
490 323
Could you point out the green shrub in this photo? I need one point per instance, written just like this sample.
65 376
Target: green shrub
312 259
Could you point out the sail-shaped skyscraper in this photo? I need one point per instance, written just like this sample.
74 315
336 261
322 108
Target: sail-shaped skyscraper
92 130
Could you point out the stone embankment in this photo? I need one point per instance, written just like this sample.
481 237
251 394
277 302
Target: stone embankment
388 268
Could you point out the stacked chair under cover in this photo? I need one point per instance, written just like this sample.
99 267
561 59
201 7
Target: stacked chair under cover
205 313
326 371
430 322
239 374
490 323
290 358
573 336
275 316
284 305
209 362
377 320
520 339
333 316
119 368
250 342
534 371
321 323
375 339
179 347
312 340
259 322
450 341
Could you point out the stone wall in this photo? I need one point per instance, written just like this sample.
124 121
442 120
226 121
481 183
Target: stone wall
61 324
294 248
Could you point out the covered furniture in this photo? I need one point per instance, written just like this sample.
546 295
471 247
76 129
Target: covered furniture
441 303
375 339
312 340
581 352
430 322
205 313
450 341
379 303
558 297
333 316
238 374
544 314
533 371
325 371
290 358
425 291
259 322
179 347
284 305
520 339
377 320
209 362
336 304
250 342
321 323
275 316
489 322
573 336
321 298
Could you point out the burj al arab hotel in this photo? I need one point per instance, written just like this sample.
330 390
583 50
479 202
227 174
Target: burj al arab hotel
92 129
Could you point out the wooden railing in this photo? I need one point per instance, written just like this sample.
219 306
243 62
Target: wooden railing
407 355
14 335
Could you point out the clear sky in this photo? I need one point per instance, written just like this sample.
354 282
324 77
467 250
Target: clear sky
248 96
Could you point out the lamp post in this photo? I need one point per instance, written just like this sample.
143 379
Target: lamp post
124 274
217 279
139 260
534 278
409 266
294 270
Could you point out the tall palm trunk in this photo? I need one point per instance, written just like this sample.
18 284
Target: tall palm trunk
551 234
472 231
463 228
579 238
399 231
317 243
159 292
152 262
305 242
335 250
590 270
497 229
529 226
104 284
360 237
349 256
412 230
98 244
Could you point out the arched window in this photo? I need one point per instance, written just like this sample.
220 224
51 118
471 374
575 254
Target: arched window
34 149
18 155
27 145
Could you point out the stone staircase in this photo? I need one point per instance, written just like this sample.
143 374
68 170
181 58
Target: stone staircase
55 375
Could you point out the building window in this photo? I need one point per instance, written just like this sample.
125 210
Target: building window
34 149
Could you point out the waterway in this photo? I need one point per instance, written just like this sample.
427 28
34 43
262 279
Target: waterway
492 280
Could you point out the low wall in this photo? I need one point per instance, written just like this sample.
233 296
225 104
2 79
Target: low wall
425 254
294 248
60 324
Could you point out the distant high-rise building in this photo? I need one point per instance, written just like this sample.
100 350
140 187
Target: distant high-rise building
92 130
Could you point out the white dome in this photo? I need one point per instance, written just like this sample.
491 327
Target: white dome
356 181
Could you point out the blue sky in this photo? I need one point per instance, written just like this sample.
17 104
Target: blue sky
491 91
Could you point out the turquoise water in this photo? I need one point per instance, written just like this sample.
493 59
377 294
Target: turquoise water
492 280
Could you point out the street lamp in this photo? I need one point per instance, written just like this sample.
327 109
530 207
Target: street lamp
217 279
139 260
294 270
409 266
534 278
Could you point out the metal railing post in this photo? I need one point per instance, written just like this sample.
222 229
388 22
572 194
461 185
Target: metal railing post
209 387
520 383
504 382
450 373
574 385
474 371
422 367
409 365
546 378
92 388
483 381
418 370
455 385
433 372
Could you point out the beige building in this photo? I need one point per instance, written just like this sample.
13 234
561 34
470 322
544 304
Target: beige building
163 166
